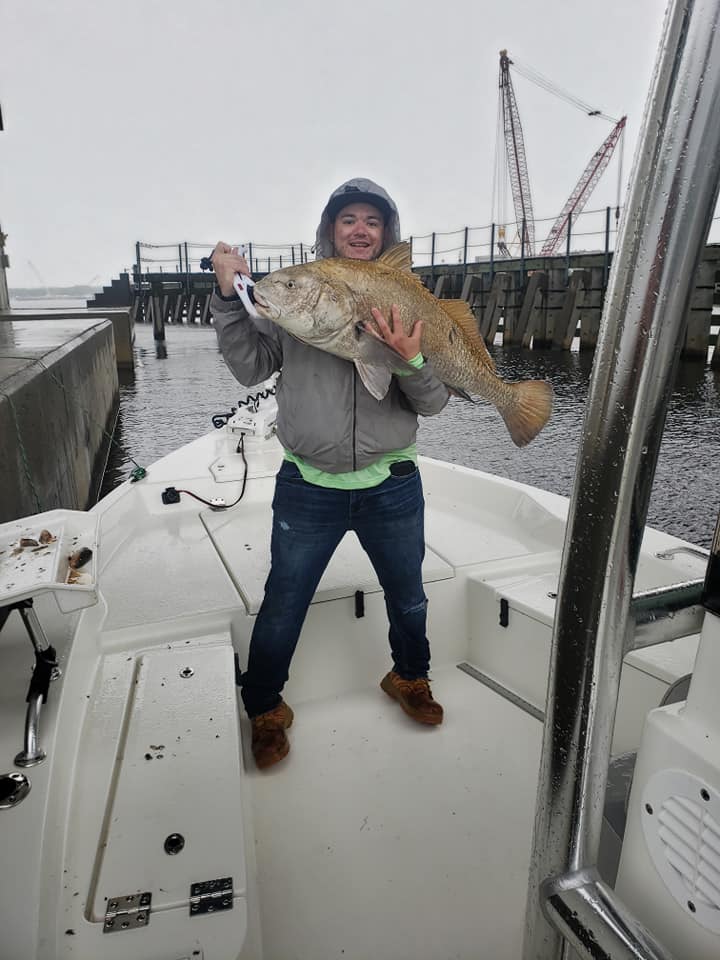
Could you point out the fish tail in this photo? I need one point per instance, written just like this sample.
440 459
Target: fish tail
528 411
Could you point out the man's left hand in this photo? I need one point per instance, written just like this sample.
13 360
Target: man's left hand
406 344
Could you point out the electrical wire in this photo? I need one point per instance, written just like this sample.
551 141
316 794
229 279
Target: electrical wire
225 506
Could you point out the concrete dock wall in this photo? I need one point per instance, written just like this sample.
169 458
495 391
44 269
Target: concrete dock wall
120 317
58 393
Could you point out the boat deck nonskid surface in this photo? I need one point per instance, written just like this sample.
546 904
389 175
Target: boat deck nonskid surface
380 838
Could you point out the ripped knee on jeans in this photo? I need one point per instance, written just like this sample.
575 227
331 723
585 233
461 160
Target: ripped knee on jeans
417 608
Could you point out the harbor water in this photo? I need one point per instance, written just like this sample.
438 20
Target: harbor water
173 393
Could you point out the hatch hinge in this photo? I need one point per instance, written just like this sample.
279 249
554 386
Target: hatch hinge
127 912
210 896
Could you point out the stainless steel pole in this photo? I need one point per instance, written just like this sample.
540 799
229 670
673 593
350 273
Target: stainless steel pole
674 188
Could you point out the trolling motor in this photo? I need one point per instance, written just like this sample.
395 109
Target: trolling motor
243 285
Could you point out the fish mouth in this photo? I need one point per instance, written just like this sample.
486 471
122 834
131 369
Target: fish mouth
265 307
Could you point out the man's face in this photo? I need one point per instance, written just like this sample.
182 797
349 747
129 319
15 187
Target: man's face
358 232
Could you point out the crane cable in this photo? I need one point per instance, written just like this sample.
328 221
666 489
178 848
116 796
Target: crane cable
621 153
537 78
500 171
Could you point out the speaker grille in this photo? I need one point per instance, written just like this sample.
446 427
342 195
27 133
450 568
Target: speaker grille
681 825
692 846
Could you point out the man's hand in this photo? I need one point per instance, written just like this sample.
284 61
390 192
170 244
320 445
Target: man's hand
226 263
406 344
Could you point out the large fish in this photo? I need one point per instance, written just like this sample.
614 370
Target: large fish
326 304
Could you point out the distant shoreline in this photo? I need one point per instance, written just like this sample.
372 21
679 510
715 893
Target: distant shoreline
53 293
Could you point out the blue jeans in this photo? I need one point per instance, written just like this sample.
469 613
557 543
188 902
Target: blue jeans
308 524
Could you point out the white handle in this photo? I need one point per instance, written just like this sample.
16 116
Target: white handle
242 284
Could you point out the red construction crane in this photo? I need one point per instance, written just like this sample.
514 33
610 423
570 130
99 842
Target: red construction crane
516 160
585 186
513 164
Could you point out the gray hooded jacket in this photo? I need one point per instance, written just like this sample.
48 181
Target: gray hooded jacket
325 414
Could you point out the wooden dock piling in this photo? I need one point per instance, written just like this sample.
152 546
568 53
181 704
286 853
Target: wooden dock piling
552 302
531 311
569 316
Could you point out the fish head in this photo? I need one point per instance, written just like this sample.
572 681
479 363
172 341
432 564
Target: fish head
311 306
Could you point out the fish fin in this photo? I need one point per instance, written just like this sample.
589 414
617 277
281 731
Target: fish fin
375 377
460 393
378 362
398 257
462 316
529 412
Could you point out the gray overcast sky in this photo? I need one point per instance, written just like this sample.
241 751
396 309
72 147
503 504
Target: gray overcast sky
186 120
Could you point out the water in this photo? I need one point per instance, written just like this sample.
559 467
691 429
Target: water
169 401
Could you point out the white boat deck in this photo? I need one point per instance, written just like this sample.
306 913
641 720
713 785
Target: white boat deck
380 838
376 837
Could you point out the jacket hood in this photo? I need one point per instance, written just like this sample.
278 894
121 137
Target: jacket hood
353 191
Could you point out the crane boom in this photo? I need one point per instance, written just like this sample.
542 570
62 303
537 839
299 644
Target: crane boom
516 159
584 187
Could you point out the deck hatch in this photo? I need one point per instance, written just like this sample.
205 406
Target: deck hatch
179 747
242 541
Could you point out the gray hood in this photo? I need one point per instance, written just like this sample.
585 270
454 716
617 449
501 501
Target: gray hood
323 245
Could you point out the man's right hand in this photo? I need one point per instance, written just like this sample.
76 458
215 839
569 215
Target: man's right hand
226 263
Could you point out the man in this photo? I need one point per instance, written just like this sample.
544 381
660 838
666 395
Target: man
350 464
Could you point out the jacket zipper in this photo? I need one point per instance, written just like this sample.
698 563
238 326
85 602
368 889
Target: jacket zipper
354 424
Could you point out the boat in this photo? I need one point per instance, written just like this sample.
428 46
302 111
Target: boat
569 801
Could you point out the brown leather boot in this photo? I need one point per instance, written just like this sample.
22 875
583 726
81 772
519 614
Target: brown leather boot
269 741
414 696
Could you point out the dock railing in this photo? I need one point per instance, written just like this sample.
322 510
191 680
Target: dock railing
592 231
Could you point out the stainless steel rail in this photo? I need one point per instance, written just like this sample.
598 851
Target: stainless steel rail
33 626
672 197
594 921
665 613
649 605
31 753
46 669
